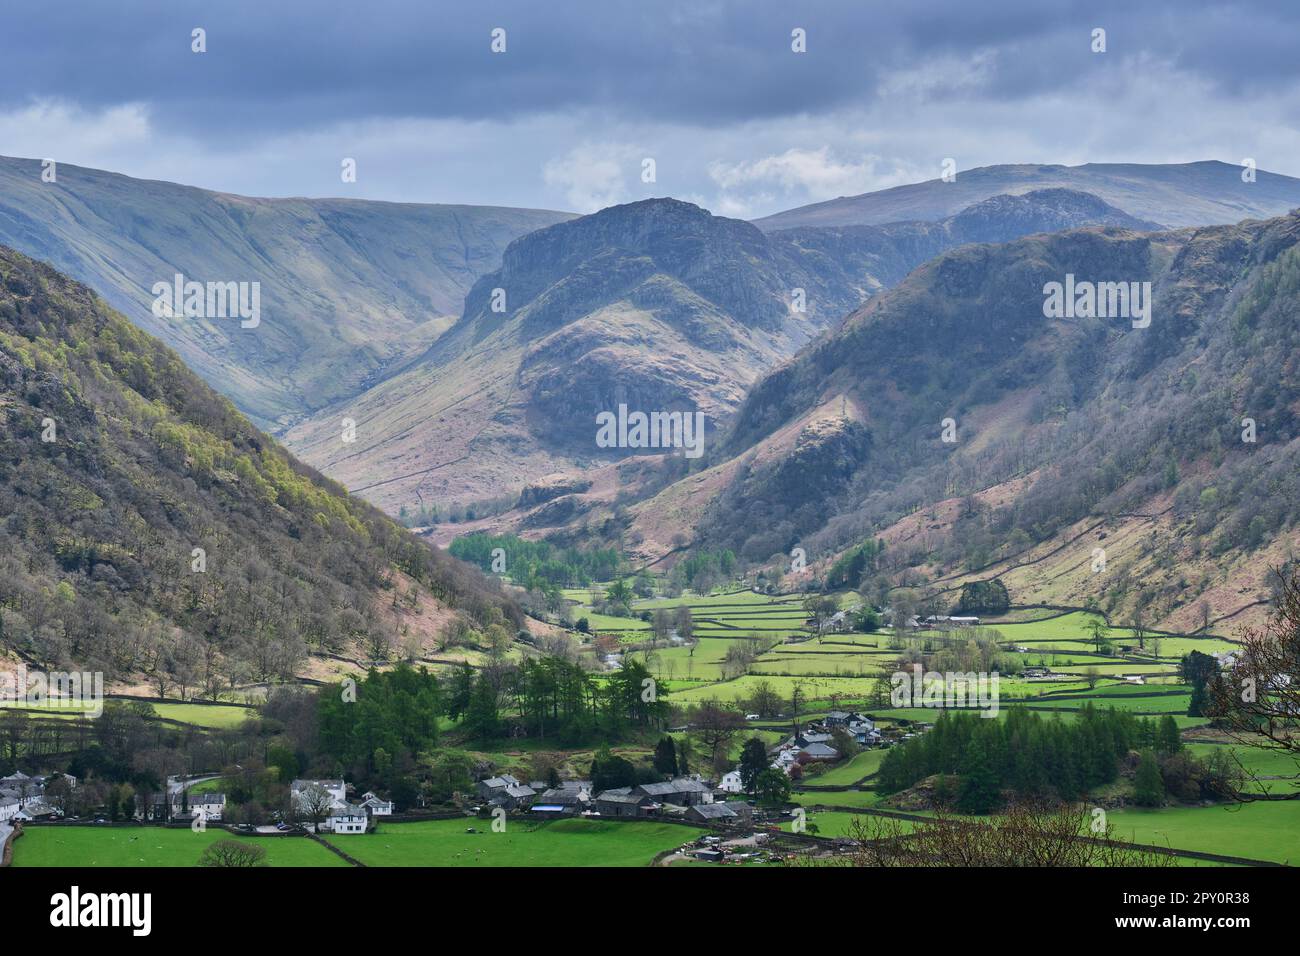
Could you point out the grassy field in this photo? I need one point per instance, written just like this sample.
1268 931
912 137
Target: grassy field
851 771
1163 704
553 843
719 601
833 823
814 688
151 846
845 667
217 717
1275 773
858 799
1258 831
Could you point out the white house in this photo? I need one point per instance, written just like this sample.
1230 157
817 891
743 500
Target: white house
21 787
863 730
730 782
337 789
785 759
375 806
9 808
207 806
349 818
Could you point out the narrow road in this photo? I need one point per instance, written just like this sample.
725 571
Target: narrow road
174 784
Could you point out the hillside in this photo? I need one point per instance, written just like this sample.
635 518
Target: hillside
349 288
1072 434
1186 194
656 304
118 463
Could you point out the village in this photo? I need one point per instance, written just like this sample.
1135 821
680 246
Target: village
739 825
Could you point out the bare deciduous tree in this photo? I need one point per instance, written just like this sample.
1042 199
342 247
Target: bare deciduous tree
1025 834
313 802
715 726
1259 695
233 854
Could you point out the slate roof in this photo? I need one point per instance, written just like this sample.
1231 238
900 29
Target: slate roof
680 785
558 796
621 795
658 789
820 750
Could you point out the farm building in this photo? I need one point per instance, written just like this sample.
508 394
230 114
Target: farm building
558 802
623 802
819 751
518 797
494 786
718 814
681 791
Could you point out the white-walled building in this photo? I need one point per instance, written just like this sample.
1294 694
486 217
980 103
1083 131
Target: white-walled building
349 818
376 807
207 806
337 789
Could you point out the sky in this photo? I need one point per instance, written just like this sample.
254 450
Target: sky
584 93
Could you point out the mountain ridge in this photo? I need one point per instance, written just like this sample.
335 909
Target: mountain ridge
657 304
1206 192
349 287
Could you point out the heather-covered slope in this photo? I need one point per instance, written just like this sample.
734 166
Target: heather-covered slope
117 462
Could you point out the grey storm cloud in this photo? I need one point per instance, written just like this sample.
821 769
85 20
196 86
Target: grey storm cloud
709 88
289 63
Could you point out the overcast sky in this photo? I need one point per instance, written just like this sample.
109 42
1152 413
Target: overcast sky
585 91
